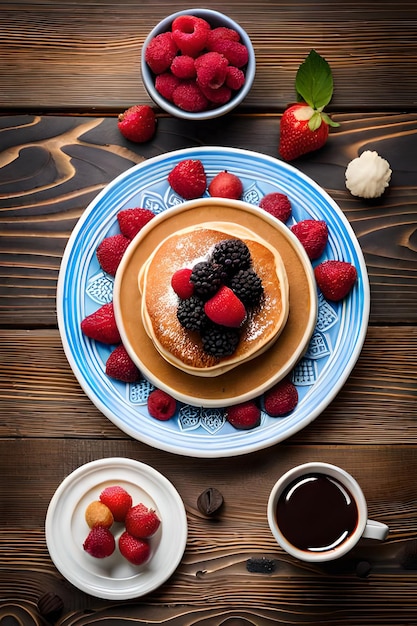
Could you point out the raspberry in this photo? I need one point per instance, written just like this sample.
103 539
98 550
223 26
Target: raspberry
235 52
190 34
235 78
221 32
136 551
138 123
281 399
211 69
98 514
188 179
110 252
161 405
100 542
190 313
218 96
232 255
142 522
160 52
247 285
189 97
244 416
118 501
219 341
181 284
226 185
207 278
183 67
120 366
165 84
277 204
131 221
101 325
313 234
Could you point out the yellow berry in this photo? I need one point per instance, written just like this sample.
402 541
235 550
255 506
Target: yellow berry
98 514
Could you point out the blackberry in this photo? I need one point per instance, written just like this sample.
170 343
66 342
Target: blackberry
190 313
247 285
232 255
207 278
220 341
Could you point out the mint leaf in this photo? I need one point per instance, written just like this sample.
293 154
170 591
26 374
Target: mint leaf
314 81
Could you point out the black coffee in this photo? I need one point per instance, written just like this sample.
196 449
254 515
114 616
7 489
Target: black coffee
316 513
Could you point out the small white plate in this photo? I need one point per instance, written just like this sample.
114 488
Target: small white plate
114 578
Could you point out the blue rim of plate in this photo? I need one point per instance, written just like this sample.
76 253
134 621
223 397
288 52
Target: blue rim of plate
82 288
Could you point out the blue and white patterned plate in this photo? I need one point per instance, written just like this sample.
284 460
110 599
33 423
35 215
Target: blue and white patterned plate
204 432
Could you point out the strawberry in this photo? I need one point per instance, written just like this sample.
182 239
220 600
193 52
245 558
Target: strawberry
181 284
313 234
277 204
304 126
118 500
101 325
138 123
100 542
131 221
244 416
188 179
225 308
136 551
226 185
120 366
281 399
161 405
335 279
110 252
142 522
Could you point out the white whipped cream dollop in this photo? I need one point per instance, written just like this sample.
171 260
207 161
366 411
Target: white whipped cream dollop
368 175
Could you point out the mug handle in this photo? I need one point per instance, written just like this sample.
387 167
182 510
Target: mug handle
375 530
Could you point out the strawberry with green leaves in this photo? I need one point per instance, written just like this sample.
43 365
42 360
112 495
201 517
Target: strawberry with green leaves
304 125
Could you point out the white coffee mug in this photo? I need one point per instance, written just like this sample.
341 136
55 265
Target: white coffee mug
317 512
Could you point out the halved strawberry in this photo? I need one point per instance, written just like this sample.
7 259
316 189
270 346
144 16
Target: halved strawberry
225 308
131 221
110 252
281 399
335 279
244 416
101 325
120 366
188 179
313 234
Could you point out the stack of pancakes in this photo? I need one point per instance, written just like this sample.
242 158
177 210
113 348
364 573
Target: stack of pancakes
183 348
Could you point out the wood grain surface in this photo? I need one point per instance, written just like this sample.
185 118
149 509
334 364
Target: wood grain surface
86 55
67 69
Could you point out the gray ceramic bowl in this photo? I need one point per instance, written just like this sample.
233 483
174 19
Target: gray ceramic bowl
215 19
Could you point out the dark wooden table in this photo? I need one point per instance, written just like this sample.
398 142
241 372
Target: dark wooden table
67 70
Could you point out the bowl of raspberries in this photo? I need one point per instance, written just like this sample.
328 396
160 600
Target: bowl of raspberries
198 64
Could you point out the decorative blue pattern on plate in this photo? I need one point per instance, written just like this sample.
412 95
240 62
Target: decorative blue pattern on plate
334 347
